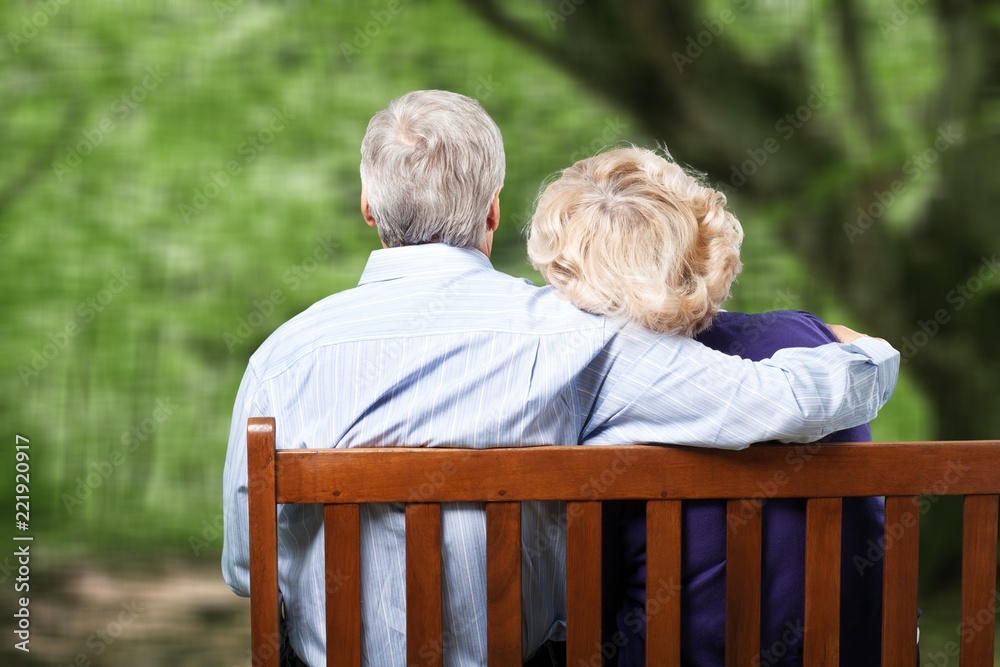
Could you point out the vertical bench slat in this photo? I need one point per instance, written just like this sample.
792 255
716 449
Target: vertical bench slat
262 511
342 541
822 584
663 582
743 539
979 580
583 582
503 583
899 592
424 645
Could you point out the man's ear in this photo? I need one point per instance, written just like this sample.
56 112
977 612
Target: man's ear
493 215
369 220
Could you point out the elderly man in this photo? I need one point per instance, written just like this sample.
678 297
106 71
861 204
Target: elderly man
436 348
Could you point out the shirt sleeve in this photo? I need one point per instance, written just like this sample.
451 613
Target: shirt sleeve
236 530
669 389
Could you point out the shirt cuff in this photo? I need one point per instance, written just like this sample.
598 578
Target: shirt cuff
886 360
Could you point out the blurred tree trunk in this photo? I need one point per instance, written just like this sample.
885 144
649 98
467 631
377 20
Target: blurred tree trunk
714 103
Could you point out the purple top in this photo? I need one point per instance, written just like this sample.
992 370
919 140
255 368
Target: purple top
703 559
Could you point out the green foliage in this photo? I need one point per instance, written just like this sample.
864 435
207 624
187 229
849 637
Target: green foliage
140 138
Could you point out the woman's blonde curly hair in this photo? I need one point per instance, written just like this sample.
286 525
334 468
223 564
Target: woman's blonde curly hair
630 234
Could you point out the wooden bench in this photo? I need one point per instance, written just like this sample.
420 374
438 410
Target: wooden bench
342 479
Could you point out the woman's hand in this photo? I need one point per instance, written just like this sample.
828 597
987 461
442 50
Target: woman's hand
845 335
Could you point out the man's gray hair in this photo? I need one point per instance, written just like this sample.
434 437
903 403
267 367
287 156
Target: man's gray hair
431 163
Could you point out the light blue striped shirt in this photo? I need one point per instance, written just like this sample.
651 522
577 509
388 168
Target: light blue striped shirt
435 347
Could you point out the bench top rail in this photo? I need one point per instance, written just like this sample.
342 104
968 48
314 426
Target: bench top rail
582 473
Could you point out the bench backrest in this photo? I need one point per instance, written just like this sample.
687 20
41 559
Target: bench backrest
342 480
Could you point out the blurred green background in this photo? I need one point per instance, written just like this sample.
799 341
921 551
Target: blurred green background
168 165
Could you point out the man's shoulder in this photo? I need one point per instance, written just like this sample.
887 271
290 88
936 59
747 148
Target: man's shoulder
293 331
484 301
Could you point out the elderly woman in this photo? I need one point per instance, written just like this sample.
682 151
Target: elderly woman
630 234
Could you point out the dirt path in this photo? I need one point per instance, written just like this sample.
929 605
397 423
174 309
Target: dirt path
175 614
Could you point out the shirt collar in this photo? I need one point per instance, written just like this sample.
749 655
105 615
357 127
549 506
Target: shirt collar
422 260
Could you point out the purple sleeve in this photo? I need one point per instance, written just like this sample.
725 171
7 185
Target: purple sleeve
760 336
